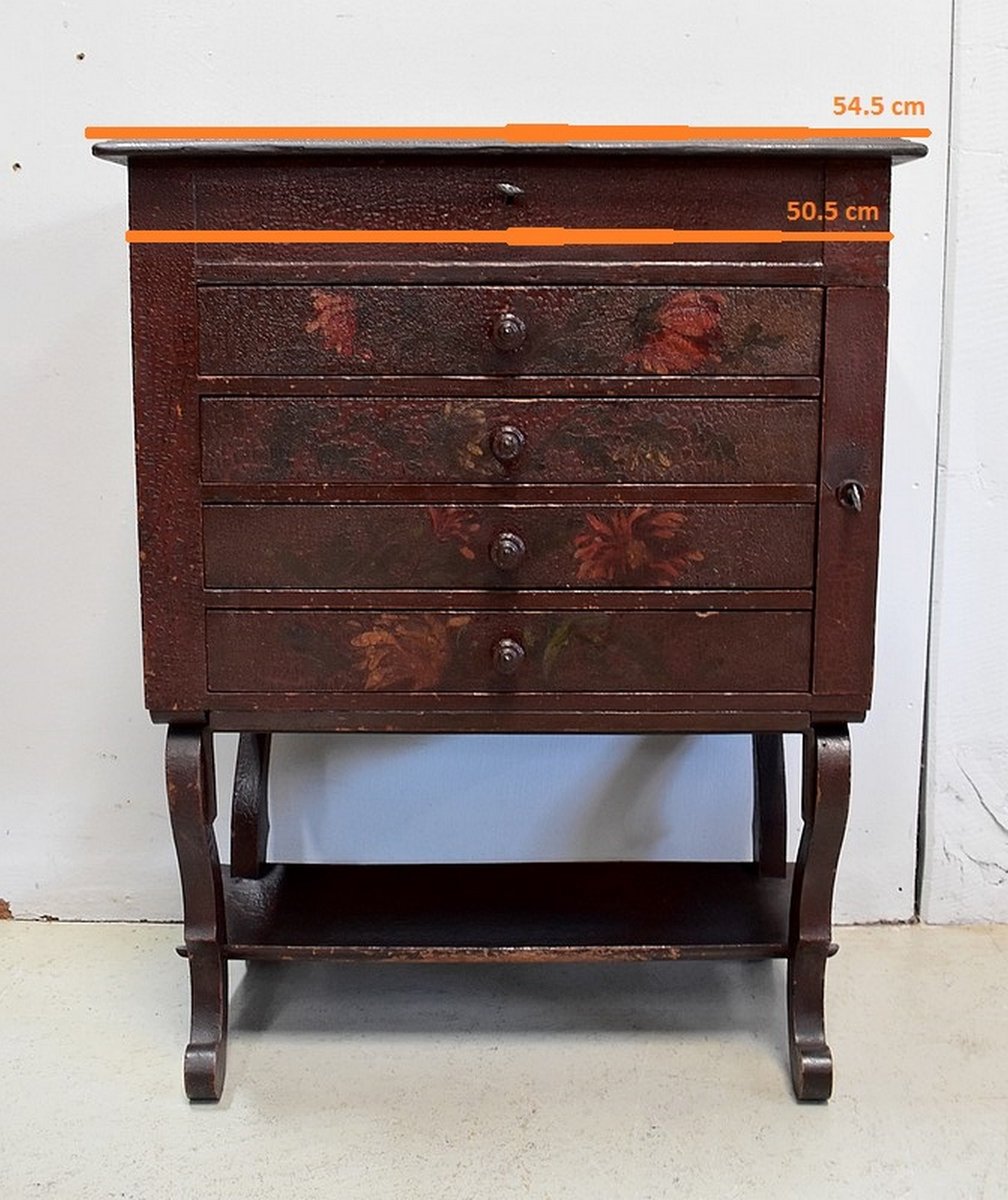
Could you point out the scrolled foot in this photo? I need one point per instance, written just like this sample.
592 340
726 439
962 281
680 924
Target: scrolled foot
206 1054
811 1070
204 1070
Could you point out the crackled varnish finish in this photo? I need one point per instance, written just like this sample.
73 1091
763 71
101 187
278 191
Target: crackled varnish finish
361 439
466 487
689 546
442 330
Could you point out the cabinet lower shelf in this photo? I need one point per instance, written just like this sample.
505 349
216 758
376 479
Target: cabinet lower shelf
515 912
506 912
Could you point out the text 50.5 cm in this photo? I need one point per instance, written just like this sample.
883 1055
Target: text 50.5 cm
832 210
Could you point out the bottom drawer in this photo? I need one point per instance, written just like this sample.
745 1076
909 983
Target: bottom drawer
361 651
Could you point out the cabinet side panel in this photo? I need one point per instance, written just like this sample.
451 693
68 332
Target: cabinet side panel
860 190
167 441
851 453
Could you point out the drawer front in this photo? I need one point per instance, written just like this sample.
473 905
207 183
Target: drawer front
317 439
476 192
508 546
448 330
277 651
481 191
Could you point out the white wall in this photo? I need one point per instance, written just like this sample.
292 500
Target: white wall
966 859
82 825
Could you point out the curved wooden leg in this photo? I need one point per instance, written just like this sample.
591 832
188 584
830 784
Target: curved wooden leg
825 800
250 806
769 805
192 805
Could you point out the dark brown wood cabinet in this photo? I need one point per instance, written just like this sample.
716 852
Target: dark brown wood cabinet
515 481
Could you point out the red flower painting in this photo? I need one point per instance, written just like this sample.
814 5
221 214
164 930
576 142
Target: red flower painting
459 525
405 651
335 321
684 335
633 547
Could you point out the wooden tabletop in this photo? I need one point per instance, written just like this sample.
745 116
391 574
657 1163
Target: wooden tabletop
897 149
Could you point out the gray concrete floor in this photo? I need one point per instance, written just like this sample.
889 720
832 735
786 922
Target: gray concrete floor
380 1081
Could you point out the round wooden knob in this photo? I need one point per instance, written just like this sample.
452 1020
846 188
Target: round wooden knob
508 656
508 331
507 551
506 443
511 192
851 494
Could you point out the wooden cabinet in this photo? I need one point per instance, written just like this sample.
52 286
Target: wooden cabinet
489 463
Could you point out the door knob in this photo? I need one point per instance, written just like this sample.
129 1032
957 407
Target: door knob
851 493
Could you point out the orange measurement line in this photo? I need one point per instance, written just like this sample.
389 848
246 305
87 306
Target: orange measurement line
532 235
504 133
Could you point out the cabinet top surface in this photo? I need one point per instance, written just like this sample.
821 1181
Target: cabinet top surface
897 149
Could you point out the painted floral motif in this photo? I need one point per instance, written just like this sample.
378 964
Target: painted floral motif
592 629
683 335
405 651
692 446
465 426
453 524
335 321
636 547
643 456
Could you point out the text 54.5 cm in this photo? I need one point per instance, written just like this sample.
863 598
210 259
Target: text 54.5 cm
877 106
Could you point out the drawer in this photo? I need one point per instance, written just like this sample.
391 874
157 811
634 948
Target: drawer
318 439
283 651
450 330
508 546
484 191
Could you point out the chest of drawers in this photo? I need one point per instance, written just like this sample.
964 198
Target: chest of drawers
503 438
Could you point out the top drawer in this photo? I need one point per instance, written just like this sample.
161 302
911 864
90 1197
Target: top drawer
485 191
450 330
